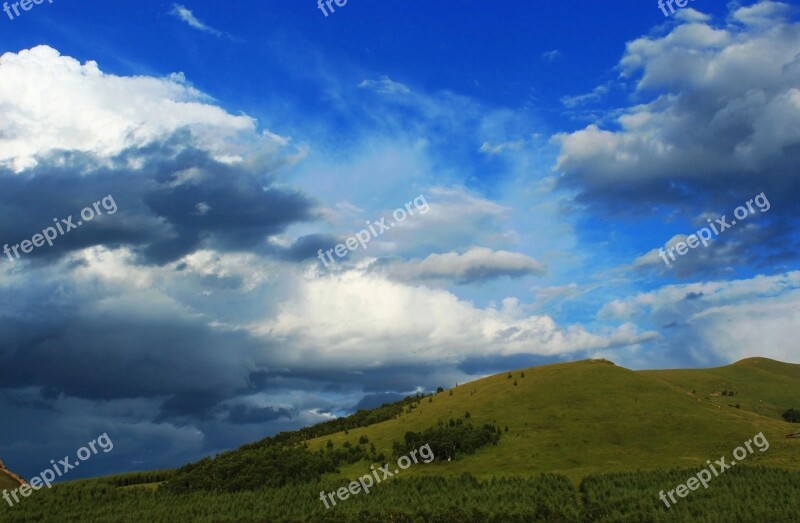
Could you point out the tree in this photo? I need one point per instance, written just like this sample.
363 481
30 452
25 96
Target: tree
792 416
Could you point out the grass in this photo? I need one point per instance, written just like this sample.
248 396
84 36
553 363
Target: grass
592 416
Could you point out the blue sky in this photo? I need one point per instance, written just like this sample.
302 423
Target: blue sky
556 147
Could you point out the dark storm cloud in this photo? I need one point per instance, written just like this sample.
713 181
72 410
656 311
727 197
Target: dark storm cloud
307 247
371 401
132 349
245 414
176 200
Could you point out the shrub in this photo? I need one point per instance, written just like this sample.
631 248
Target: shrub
792 416
449 441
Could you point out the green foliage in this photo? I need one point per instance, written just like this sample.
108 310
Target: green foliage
741 495
443 500
140 478
273 466
792 416
449 441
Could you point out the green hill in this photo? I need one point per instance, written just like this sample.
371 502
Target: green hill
582 441
592 416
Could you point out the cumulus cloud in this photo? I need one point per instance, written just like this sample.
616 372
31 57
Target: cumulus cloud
476 265
172 160
91 112
389 323
722 102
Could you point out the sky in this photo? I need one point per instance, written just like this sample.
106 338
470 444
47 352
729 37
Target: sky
554 181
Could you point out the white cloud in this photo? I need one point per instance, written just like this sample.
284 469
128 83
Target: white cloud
187 16
489 148
729 319
385 85
52 102
355 320
583 99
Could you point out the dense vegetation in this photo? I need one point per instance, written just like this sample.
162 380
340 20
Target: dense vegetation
740 495
449 440
266 466
792 416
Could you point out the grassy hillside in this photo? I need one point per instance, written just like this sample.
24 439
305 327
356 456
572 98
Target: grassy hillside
592 416
583 441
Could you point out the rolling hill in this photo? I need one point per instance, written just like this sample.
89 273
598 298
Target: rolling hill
592 416
580 441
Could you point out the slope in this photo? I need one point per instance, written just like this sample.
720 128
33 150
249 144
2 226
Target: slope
592 416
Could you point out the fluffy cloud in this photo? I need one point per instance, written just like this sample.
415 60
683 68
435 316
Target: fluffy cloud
179 168
52 102
723 105
389 323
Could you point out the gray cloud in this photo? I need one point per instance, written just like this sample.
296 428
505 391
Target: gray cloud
473 266
157 201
